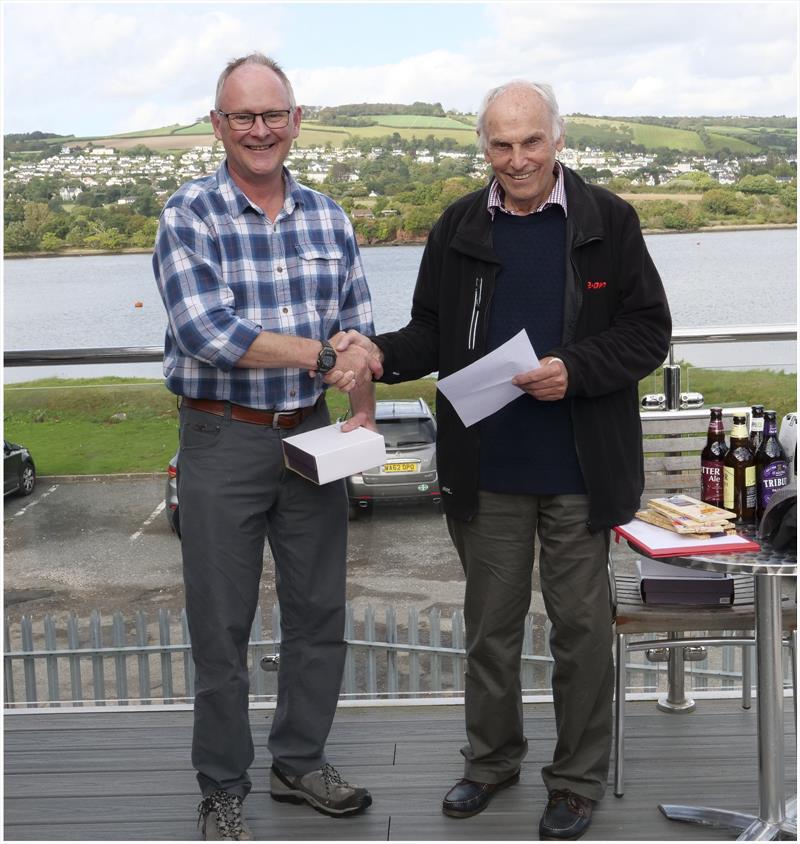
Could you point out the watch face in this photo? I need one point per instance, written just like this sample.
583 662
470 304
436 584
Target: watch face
327 359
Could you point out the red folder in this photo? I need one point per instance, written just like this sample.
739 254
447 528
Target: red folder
659 542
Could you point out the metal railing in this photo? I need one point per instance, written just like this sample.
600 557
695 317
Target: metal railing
118 661
155 354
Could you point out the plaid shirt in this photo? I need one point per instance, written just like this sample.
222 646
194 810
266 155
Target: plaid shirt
558 196
226 273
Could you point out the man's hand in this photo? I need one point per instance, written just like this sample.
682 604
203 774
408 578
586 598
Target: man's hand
547 383
362 419
352 338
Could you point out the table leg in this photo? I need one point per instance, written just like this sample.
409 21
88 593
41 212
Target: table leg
774 816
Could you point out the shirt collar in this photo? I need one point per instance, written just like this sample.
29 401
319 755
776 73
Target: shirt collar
238 202
558 196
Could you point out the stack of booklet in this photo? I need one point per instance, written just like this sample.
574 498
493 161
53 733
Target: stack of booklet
689 516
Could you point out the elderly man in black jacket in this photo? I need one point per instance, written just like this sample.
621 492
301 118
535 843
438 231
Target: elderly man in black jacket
537 249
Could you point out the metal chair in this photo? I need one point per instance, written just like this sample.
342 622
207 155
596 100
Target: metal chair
634 618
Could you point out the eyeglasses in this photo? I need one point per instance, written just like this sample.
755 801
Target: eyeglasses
242 120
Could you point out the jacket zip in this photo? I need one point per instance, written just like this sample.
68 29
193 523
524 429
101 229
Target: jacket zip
476 307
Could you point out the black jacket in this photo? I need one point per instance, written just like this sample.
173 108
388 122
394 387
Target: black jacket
616 330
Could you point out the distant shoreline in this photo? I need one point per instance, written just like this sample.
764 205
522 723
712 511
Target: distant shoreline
88 253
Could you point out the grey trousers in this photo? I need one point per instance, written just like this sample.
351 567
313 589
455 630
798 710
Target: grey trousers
497 553
234 492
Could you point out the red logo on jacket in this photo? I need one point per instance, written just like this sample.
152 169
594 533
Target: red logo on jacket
596 285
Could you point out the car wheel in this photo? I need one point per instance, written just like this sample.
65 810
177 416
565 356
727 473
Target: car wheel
27 480
353 512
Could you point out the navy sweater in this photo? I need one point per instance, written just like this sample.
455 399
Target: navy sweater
528 446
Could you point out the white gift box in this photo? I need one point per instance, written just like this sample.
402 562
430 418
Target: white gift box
327 454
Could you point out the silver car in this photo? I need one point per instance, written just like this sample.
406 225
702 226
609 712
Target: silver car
409 473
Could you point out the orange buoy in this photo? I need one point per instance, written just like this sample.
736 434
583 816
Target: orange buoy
138 305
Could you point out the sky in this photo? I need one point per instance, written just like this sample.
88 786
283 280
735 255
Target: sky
99 68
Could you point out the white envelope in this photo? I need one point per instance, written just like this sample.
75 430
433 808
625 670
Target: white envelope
483 387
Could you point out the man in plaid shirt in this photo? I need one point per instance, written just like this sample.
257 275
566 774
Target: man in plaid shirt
258 274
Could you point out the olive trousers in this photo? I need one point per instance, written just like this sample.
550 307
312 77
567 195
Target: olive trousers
234 491
497 553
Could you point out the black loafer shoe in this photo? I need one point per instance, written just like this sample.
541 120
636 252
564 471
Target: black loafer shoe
566 817
466 798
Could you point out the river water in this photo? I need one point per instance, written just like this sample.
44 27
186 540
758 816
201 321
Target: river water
712 279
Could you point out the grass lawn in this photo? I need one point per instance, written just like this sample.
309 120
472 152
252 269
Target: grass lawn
110 425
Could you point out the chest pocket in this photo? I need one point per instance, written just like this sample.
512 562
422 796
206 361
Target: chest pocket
320 270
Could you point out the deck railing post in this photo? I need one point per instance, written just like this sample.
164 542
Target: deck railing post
120 659
73 643
8 668
29 663
145 692
166 655
413 656
53 693
369 636
436 642
98 672
391 654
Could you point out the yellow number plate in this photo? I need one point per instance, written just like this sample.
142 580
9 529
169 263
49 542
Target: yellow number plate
400 467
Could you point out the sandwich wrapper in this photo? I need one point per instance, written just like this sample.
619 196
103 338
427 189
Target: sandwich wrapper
327 454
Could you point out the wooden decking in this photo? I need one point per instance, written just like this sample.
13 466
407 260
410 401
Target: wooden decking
127 775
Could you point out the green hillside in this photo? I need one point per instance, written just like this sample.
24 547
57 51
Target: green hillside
745 135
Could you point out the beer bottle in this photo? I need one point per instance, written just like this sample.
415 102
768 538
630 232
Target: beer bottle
772 468
739 474
712 459
756 426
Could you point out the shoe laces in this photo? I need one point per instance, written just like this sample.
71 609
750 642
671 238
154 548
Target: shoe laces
574 801
332 778
229 814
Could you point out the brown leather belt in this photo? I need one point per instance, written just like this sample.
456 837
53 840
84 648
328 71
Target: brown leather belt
273 418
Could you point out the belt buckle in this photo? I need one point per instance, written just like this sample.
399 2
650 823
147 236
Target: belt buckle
276 417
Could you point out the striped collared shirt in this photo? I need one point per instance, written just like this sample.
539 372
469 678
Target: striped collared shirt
226 273
558 196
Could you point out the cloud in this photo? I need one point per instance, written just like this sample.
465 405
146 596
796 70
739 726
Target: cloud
90 67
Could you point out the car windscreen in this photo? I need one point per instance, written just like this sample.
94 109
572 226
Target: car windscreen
399 433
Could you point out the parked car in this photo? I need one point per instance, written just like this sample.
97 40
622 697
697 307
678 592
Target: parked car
409 473
171 497
19 470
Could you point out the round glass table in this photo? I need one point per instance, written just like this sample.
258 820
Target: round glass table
776 817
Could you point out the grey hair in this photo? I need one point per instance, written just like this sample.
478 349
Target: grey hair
264 61
541 89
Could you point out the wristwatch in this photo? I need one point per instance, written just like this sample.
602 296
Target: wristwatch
326 359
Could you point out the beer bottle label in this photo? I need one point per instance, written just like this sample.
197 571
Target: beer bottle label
728 483
773 476
711 482
750 486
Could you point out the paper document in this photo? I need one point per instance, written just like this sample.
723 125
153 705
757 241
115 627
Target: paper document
483 387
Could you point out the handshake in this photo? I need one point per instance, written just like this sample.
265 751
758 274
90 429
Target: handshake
358 361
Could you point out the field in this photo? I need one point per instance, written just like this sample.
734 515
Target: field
581 131
652 136
108 425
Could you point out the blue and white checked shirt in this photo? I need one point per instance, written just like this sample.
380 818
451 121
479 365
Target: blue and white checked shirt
225 273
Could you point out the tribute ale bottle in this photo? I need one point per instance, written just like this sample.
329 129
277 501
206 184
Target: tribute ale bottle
739 475
756 426
772 468
712 461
